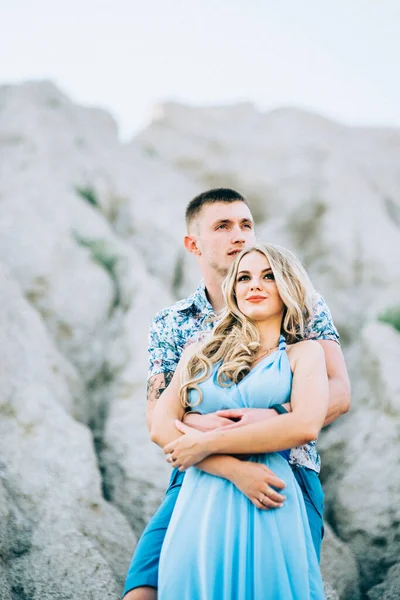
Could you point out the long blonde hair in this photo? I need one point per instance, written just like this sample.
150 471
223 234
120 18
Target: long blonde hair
235 339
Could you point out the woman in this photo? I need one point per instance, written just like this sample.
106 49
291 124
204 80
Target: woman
219 545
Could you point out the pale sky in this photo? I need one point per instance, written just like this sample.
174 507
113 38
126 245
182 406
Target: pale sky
340 58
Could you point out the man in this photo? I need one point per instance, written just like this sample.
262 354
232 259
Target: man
219 226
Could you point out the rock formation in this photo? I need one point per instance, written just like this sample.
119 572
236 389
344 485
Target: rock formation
90 249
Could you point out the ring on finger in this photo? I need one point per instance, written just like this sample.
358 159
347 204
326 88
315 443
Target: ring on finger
169 458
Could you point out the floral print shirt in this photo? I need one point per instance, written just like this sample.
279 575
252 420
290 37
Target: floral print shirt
175 327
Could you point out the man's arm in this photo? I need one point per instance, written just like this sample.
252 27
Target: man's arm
338 380
156 385
321 328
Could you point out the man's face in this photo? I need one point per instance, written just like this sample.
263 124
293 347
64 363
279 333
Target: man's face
222 230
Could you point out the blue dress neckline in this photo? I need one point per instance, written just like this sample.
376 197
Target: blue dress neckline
281 347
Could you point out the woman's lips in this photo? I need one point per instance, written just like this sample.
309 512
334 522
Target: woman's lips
256 298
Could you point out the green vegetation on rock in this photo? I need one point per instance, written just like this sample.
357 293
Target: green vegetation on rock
88 194
104 255
391 316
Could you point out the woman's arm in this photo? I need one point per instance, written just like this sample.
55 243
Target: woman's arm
309 401
252 480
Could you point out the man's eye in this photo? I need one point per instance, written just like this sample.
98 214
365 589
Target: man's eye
223 226
248 225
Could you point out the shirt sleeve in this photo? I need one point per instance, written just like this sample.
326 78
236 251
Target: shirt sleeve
320 324
163 353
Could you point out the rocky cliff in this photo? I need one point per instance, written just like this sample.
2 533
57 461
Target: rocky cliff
90 249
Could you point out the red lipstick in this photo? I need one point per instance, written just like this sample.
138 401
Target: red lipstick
256 298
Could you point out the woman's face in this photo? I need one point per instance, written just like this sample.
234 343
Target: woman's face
256 291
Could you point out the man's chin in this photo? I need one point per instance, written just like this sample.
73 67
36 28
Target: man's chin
222 271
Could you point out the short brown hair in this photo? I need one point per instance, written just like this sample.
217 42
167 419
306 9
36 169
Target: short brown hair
195 206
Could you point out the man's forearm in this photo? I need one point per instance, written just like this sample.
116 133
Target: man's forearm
156 385
338 380
219 465
163 430
339 399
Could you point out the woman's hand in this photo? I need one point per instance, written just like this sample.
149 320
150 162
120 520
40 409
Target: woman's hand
207 422
187 450
245 416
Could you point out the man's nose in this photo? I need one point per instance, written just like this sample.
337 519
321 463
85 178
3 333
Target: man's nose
238 235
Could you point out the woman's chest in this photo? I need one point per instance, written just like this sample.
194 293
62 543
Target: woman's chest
261 388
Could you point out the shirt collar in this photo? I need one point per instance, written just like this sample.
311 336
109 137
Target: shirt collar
198 300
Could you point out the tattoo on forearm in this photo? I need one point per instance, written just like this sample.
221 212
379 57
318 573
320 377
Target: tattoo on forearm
156 386
151 391
167 380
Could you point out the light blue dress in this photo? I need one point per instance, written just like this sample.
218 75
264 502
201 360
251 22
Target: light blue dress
218 545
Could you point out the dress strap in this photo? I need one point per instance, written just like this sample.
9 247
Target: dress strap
282 343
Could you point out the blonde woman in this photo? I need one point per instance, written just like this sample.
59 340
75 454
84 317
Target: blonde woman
220 545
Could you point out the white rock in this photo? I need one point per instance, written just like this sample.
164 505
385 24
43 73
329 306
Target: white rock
136 474
339 567
92 232
63 530
390 588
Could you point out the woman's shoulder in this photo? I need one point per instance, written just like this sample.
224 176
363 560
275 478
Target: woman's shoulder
304 350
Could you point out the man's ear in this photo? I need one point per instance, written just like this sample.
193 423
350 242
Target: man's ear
191 245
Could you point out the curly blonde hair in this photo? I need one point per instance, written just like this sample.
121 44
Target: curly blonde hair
235 339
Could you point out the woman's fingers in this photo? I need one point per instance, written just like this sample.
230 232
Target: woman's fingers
273 495
224 421
272 479
266 501
231 413
232 425
169 448
182 427
268 497
258 504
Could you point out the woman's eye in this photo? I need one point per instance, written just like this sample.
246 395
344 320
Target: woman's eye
243 277
269 276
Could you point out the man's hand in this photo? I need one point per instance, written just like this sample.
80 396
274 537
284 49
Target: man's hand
254 480
207 422
246 416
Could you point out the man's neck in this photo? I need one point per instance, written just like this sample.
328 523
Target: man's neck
213 285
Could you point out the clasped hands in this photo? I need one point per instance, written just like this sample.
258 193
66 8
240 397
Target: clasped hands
198 432
255 480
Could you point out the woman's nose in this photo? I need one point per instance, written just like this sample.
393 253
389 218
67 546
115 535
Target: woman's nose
255 284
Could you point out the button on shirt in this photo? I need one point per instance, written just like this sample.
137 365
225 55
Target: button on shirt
173 328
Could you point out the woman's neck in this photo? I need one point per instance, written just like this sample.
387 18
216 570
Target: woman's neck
270 332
